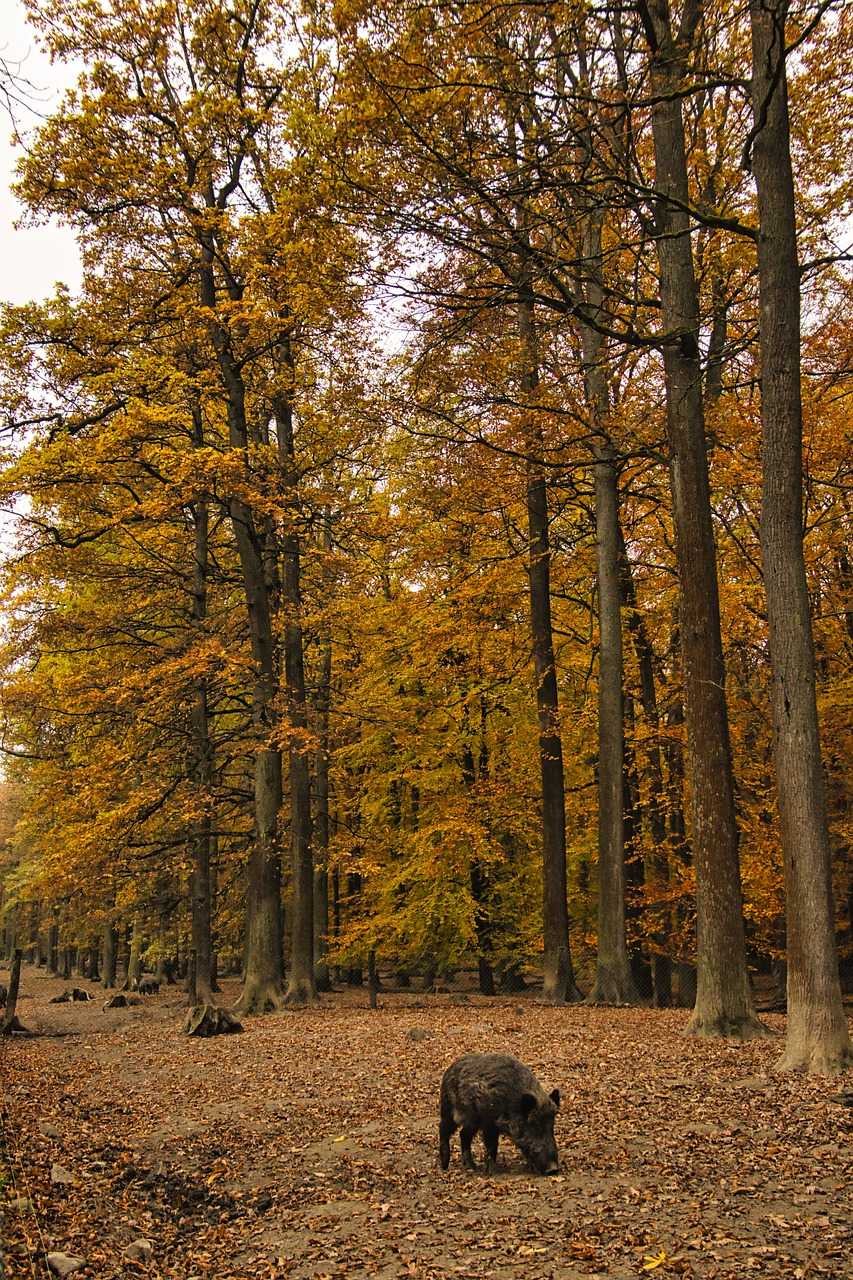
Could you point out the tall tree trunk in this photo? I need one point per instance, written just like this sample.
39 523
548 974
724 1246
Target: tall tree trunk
479 889
110 947
134 962
614 983
656 868
723 997
263 986
53 944
320 834
201 764
817 1038
302 986
321 826
10 933
33 932
213 898
123 957
9 1021
558 975
336 913
162 970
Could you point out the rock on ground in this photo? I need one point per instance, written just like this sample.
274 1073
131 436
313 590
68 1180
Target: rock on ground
63 1264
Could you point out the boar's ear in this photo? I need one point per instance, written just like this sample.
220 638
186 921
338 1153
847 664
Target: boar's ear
555 1097
526 1103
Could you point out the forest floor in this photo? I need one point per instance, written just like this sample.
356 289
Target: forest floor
307 1147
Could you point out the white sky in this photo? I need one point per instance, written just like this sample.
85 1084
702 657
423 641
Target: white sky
32 259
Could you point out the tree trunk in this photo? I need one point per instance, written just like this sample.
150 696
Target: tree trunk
321 819
33 934
213 898
201 766
558 976
478 879
372 980
656 867
263 986
817 1038
613 981
53 947
723 998
123 958
10 1022
302 987
162 969
134 963
10 933
110 946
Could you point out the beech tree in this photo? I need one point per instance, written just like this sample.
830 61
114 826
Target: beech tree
817 1037
393 490
723 998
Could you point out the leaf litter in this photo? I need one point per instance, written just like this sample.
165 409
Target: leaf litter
307 1148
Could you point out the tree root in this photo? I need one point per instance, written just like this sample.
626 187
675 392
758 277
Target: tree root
745 1028
819 1059
299 994
609 994
13 1027
260 997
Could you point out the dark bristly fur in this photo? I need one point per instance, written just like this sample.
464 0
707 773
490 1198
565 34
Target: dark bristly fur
494 1093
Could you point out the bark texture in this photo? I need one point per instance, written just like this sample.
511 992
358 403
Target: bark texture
724 1004
302 984
110 951
201 767
558 975
614 983
134 960
10 1024
817 1037
263 987
321 827
656 866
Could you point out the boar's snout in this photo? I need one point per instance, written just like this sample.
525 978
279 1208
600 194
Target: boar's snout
541 1155
545 1162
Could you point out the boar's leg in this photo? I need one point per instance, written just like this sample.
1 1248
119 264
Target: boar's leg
446 1129
490 1138
466 1136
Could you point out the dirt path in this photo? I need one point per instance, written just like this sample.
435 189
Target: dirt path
307 1147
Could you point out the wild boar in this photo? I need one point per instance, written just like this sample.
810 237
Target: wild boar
494 1093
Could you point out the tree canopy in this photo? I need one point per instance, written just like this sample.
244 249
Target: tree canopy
393 496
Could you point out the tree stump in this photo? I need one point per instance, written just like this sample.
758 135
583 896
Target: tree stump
120 1001
208 1020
